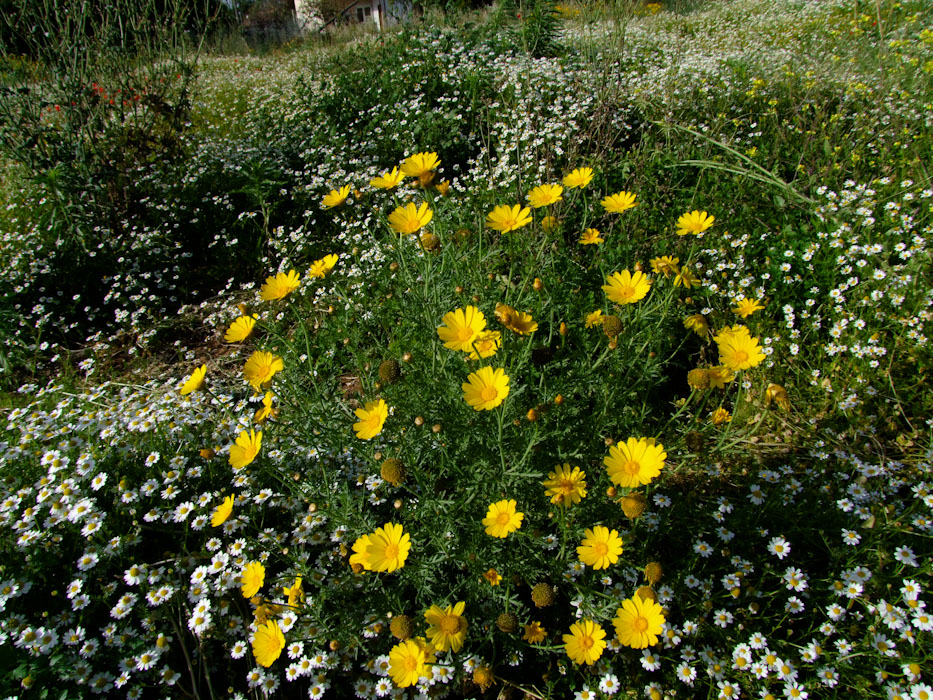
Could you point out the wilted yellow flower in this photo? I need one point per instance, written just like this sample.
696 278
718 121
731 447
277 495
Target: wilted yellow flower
493 577
486 344
686 279
698 324
777 394
194 382
665 265
388 180
320 268
409 219
626 288
534 633
420 163
335 198
720 416
594 318
507 218
516 321
241 329
280 286
619 202
443 188
544 195
746 307
549 223
294 594
720 376
591 236
694 222
266 411
580 177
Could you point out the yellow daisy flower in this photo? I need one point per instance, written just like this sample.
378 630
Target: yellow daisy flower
335 198
600 548
194 382
545 195
388 548
372 417
240 329
694 222
502 518
461 328
746 307
447 627
565 485
408 663
222 512
580 177
410 219
251 578
591 236
505 218
619 202
486 388
585 643
268 642
320 268
246 449
639 622
388 180
280 286
626 288
635 462
260 367
420 164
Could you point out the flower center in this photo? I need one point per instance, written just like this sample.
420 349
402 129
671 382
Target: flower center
450 624
625 291
741 356
601 549
411 663
391 551
586 642
639 624
632 467
464 334
489 393
503 519
565 487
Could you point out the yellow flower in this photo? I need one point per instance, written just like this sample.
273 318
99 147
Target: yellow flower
738 350
594 318
461 328
600 547
222 512
492 577
252 578
639 622
260 367
626 288
372 417
635 462
266 411
585 643
549 223
409 219
698 324
591 236
268 642
565 485
720 376
194 382
619 202
240 329
447 628
360 556
246 449
777 394
486 388
443 188
408 663
420 164
387 180
544 195
686 279
580 177
720 416
486 344
516 321
335 198
534 633
505 218
501 518
320 268
294 593
665 265
746 307
388 548
694 222
280 286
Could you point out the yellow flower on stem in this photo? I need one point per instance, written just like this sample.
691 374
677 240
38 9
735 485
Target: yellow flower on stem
777 394
591 236
565 485
360 556
388 180
626 288
251 578
486 388
698 324
619 202
410 219
194 382
694 222
388 548
447 627
492 577
746 307
279 286
335 198
268 642
585 643
635 462
241 329
260 367
320 268
534 633
408 663
420 164
580 177
486 344
549 223
502 518
720 376
266 411
639 622
738 350
686 279
720 416
600 548
594 318
372 417
222 512
505 218
516 321
544 195
246 449
664 265
461 328
295 594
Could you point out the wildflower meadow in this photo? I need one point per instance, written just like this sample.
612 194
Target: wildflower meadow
542 351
